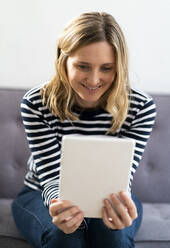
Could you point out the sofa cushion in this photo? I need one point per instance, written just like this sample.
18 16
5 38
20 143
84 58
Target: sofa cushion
156 223
6 242
152 244
7 225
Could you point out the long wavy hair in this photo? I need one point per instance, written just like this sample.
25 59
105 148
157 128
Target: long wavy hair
88 28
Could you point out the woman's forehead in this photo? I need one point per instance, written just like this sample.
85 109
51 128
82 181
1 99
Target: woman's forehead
98 51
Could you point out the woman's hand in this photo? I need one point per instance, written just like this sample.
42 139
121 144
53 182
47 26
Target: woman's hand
119 212
65 216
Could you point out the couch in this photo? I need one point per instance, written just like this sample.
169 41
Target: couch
151 181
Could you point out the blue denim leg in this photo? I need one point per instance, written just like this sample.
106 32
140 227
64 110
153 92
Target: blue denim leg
35 224
100 236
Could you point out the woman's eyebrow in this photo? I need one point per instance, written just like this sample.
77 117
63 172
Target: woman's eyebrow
86 63
82 62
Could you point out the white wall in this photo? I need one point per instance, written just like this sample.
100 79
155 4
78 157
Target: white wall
29 30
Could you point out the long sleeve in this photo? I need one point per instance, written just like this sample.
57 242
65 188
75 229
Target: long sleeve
45 149
140 128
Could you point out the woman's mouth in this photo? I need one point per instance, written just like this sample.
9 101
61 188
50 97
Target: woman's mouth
91 88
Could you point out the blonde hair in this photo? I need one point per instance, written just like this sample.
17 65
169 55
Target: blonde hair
86 29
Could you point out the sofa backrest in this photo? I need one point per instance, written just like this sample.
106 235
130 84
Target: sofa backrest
152 178
151 181
14 150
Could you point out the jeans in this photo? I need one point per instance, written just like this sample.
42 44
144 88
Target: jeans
35 224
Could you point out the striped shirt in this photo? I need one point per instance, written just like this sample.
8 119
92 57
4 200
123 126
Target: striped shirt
45 131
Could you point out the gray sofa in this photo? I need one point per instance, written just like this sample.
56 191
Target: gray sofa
151 182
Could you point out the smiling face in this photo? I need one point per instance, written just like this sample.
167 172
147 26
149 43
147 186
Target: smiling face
91 71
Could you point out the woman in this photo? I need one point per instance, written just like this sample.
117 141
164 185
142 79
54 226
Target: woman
89 95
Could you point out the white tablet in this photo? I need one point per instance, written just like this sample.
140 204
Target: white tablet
93 167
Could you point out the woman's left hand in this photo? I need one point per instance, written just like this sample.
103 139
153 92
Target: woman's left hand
119 212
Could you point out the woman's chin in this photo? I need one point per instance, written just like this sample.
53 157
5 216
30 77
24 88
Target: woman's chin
87 102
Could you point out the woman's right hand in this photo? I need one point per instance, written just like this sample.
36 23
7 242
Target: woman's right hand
65 216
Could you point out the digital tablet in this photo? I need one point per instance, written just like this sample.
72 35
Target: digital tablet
93 167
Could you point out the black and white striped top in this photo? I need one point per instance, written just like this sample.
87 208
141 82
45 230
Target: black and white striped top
45 131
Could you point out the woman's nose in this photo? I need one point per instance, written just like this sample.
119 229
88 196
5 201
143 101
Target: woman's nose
94 78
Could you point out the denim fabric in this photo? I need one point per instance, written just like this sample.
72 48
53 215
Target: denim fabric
35 224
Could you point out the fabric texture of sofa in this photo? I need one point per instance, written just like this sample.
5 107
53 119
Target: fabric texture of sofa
151 182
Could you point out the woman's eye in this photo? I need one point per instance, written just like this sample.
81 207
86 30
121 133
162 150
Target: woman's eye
83 67
105 69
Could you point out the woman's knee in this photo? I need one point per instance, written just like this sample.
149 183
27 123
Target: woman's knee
32 229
